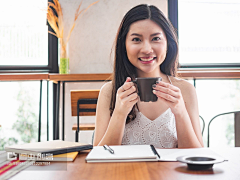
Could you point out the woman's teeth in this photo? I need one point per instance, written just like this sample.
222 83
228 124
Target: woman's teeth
147 59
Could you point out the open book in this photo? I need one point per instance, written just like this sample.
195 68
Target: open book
129 153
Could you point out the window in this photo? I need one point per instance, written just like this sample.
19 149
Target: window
25 46
209 33
24 37
20 112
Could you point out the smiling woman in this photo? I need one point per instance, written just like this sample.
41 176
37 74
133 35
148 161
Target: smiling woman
146 46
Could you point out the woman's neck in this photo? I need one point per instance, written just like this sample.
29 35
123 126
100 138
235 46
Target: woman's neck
152 74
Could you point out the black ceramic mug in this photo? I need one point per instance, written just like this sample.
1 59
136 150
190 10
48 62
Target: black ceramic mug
144 86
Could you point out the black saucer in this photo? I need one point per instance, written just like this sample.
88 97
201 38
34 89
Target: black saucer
200 162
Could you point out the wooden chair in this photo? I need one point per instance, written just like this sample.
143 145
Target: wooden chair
83 103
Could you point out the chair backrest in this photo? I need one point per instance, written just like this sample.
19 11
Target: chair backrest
235 129
203 124
87 100
83 103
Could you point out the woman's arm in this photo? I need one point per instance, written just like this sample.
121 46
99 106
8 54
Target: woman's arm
109 129
182 100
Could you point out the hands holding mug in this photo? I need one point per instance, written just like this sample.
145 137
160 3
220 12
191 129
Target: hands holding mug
127 94
171 95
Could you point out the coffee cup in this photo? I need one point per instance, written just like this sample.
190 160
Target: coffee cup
144 88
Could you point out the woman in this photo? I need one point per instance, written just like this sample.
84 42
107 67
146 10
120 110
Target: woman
146 46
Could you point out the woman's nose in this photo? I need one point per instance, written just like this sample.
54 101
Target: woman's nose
147 48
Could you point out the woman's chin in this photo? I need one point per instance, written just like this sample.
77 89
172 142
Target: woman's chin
150 71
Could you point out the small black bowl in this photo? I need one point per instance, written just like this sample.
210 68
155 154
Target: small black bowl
200 162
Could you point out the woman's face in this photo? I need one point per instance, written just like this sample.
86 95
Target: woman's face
146 46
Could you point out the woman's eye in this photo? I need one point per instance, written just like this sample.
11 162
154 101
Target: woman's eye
136 39
156 39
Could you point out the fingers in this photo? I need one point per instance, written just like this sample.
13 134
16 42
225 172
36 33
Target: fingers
126 90
165 96
166 85
127 85
130 91
131 98
167 91
127 98
128 79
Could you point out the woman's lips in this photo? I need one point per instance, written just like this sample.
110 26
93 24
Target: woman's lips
147 60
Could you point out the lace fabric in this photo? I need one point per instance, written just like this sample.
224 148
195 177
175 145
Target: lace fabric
160 132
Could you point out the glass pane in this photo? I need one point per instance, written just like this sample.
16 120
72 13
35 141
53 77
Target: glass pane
209 31
222 131
216 97
20 112
23 33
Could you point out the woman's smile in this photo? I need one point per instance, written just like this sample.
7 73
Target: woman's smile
147 60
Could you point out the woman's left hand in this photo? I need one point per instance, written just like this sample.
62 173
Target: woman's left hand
171 95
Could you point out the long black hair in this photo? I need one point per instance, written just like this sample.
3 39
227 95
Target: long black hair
122 66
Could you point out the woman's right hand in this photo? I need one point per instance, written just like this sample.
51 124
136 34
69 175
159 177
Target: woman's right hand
126 97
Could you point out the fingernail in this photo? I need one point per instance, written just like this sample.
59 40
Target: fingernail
154 91
157 82
154 85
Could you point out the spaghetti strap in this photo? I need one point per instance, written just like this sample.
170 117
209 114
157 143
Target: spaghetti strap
169 79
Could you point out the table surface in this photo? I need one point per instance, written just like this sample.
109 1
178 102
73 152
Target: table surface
23 76
79 169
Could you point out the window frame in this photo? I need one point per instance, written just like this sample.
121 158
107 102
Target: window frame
173 17
52 66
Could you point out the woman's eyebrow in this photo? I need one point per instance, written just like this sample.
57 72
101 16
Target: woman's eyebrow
155 34
135 34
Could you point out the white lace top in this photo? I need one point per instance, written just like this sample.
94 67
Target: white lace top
160 132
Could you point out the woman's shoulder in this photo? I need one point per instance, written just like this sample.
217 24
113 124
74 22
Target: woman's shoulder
188 91
106 89
185 86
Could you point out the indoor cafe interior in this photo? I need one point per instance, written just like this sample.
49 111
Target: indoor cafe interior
58 57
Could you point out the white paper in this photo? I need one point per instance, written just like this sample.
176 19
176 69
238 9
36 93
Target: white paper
172 154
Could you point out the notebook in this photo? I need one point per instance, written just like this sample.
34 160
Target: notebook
48 147
131 153
65 157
